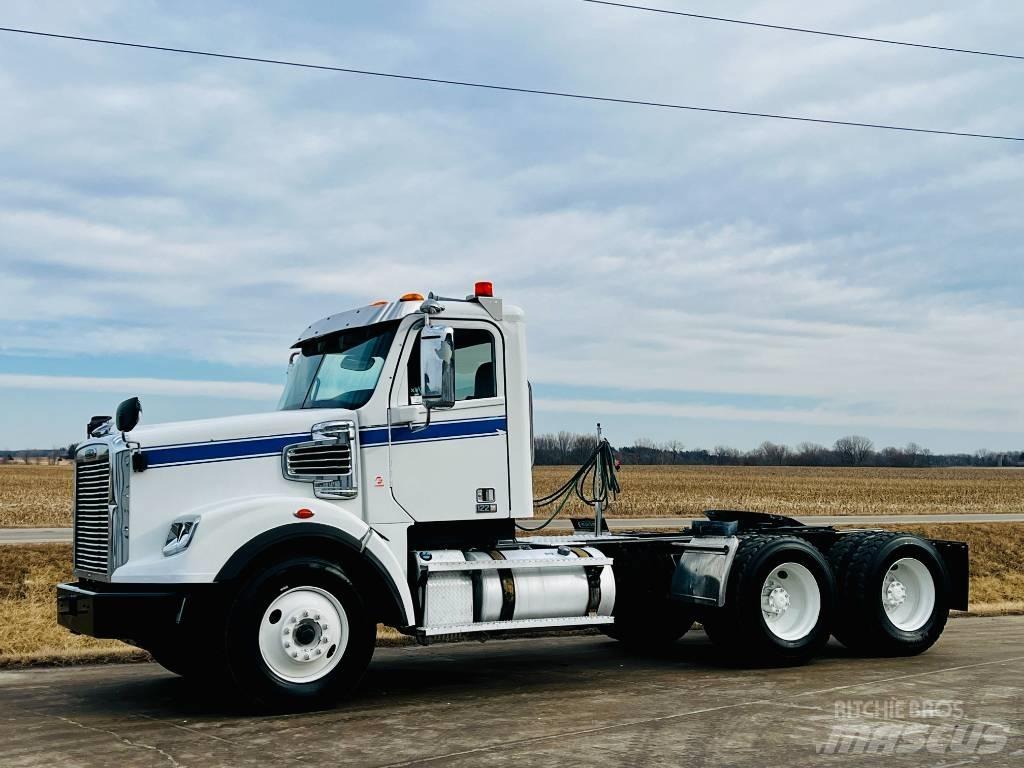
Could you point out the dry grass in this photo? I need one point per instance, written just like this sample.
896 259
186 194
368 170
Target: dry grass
39 495
997 561
687 491
28 610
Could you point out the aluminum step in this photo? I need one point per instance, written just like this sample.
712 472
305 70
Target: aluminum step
566 622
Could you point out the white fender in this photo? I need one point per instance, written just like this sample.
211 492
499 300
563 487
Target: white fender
224 528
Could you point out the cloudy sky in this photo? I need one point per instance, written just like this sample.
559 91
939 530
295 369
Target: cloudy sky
168 224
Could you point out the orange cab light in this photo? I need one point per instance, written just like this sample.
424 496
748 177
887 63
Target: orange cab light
483 288
304 514
412 297
378 303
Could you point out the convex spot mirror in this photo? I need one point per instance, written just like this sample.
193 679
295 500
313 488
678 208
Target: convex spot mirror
437 366
128 414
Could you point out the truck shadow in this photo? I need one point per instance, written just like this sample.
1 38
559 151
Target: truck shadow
409 675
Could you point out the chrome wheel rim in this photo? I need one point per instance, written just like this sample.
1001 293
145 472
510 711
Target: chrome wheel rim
790 601
303 634
908 594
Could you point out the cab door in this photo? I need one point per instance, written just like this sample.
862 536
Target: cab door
455 467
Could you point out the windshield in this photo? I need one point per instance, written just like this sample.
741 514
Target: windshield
338 371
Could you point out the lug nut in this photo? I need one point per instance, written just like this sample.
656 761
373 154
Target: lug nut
317 617
305 614
318 651
295 654
287 644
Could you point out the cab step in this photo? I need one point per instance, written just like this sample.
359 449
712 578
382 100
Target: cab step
561 622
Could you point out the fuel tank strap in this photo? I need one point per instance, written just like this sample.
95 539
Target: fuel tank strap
508 588
593 582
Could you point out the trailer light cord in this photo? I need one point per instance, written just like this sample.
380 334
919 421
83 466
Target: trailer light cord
596 474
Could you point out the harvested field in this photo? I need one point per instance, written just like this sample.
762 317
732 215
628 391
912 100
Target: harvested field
35 495
686 491
40 496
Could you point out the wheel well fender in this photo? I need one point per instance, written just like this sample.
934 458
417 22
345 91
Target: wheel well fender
368 562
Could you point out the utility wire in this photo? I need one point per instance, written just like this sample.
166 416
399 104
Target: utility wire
806 31
508 88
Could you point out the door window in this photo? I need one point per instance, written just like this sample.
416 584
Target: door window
475 376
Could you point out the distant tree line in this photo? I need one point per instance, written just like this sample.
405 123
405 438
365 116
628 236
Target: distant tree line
849 451
574 448
34 456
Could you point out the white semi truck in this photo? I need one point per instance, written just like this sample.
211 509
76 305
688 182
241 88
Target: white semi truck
390 487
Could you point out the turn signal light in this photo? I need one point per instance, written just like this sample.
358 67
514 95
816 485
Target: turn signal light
304 514
483 288
412 297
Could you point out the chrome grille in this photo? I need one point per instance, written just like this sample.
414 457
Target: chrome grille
92 511
318 460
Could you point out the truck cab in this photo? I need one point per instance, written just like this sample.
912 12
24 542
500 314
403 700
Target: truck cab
389 487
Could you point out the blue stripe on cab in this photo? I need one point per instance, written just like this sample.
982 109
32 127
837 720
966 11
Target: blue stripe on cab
238 449
201 453
446 430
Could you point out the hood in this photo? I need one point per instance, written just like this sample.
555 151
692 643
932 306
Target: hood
251 427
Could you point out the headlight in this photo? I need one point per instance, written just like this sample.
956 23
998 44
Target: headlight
180 535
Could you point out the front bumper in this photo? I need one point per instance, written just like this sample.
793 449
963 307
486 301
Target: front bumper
127 613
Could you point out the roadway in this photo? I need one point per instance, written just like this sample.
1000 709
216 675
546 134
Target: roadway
44 535
554 701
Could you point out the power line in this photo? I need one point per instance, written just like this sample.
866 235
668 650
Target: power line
508 88
744 22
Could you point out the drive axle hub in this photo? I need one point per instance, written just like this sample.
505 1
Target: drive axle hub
777 601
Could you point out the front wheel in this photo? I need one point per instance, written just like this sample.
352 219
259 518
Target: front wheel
299 635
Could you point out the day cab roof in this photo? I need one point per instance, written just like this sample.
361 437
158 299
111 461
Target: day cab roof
483 307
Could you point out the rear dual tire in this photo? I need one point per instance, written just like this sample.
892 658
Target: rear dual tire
779 603
893 591
655 628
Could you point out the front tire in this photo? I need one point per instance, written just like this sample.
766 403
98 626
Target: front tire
778 607
894 595
299 635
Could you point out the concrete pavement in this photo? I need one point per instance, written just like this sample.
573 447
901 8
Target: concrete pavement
44 535
567 701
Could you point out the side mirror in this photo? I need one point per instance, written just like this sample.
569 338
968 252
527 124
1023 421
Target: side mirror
128 414
437 366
